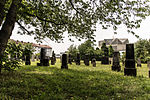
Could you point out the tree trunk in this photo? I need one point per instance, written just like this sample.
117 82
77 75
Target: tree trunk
8 27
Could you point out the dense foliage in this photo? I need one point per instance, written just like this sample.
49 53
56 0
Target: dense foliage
73 51
142 50
14 54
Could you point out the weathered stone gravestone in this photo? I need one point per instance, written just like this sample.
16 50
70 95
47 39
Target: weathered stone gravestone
78 59
69 59
105 58
148 64
64 64
33 58
44 61
116 62
130 69
139 62
110 60
86 60
94 62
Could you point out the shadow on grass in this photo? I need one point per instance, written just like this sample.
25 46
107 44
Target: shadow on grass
47 83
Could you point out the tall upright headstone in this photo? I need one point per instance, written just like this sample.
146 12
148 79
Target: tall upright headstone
27 60
105 58
116 62
64 64
44 61
130 69
69 59
78 59
139 62
86 60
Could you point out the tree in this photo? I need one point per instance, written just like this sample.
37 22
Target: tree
141 50
50 18
86 48
73 51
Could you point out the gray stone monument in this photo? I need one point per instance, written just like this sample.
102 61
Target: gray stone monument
139 62
64 64
130 69
116 62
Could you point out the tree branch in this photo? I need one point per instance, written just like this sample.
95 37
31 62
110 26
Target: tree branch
51 21
2 13
23 27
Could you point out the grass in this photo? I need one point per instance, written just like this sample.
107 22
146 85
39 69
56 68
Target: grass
77 83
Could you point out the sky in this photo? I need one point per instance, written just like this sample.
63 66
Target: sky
143 32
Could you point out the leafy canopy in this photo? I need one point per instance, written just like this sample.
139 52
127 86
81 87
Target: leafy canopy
50 18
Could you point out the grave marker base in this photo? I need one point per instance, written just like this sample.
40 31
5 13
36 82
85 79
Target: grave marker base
130 71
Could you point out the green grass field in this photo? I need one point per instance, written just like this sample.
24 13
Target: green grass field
77 83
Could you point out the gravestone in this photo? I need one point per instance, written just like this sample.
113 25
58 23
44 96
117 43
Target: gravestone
64 62
33 58
44 61
105 58
78 59
27 60
139 62
130 69
52 61
94 62
69 59
116 63
110 60
86 60
148 64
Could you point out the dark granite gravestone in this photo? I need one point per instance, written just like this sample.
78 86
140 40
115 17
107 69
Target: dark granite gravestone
64 62
94 62
78 59
139 62
69 59
27 60
130 69
44 61
86 60
52 61
105 58
116 63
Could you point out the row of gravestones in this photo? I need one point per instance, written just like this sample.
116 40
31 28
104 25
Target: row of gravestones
129 62
129 69
65 62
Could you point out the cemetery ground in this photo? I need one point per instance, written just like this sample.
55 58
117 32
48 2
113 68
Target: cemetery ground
77 83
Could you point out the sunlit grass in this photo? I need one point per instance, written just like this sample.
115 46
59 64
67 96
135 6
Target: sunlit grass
77 83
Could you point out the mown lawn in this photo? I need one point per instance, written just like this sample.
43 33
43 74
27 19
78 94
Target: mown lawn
77 83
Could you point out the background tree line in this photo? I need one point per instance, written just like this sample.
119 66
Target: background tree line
88 48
